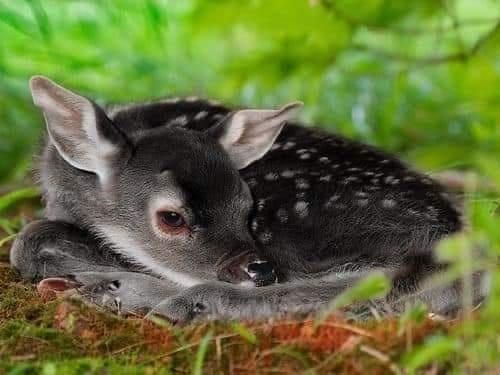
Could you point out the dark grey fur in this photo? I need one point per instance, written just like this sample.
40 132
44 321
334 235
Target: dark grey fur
322 209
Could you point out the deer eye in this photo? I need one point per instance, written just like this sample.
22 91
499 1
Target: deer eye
171 219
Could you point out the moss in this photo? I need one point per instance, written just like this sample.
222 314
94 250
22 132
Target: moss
69 337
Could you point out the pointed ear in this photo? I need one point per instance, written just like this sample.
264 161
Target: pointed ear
248 134
81 132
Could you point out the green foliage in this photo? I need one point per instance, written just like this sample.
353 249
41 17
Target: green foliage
435 349
373 286
417 77
398 74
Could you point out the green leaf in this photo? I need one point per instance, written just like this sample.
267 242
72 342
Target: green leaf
436 349
415 314
372 286
244 332
201 354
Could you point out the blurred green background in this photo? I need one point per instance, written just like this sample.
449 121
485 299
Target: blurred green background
417 77
420 78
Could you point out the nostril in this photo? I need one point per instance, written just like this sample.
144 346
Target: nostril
262 273
260 268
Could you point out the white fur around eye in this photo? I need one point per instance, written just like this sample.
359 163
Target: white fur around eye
169 202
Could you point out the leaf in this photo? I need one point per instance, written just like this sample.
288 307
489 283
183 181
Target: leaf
245 333
373 286
201 354
415 314
436 349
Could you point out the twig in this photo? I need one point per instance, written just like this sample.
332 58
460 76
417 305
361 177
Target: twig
432 60
384 358
348 327
189 346
353 22
125 348
462 55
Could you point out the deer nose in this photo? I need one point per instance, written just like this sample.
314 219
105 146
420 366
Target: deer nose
247 267
261 273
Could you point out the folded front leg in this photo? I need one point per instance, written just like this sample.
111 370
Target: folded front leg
46 248
120 292
230 302
224 301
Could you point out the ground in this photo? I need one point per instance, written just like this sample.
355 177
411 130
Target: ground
66 336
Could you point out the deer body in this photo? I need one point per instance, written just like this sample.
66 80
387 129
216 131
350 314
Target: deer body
166 207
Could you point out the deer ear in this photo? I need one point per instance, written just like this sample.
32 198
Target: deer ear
248 134
81 132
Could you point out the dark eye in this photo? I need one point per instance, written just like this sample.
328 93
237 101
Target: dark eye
171 219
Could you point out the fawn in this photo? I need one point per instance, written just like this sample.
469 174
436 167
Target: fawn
187 209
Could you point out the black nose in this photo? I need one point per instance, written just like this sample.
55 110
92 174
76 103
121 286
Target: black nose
262 273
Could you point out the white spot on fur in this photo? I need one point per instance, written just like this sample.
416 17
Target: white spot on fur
326 178
218 116
275 146
324 160
331 201
427 181
200 115
214 103
302 184
288 145
391 180
288 173
305 156
413 212
261 204
302 209
362 202
271 176
171 100
388 203
254 225
180 120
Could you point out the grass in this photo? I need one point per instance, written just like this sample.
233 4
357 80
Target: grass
64 336
73 338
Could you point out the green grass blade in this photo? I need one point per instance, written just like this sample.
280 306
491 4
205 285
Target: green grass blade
201 354
10 199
